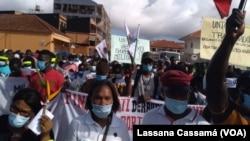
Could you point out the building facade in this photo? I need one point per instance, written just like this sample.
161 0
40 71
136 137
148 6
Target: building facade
192 47
28 31
97 28
159 46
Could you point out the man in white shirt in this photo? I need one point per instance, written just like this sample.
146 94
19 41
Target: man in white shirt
175 88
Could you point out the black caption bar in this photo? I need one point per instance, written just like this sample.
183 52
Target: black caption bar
194 132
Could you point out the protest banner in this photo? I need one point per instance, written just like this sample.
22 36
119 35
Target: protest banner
212 34
70 104
8 87
119 49
65 107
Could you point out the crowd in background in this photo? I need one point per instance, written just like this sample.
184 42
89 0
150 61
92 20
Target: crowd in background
77 69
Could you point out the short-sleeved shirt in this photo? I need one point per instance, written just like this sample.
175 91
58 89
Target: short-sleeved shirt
146 86
55 78
230 116
85 128
157 116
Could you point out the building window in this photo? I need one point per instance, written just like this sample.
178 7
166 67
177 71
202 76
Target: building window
191 45
83 9
65 8
92 43
57 6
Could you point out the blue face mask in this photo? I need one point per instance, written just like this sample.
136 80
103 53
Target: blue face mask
77 59
100 77
101 111
176 106
93 68
80 72
17 120
5 70
147 68
118 76
246 101
41 65
72 75
26 70
2 63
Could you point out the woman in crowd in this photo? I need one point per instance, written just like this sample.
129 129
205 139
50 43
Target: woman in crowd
101 122
25 105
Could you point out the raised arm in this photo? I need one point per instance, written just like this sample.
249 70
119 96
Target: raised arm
128 88
217 96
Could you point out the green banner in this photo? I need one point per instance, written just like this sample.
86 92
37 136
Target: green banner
119 49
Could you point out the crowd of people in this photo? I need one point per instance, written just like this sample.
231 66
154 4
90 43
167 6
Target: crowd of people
177 84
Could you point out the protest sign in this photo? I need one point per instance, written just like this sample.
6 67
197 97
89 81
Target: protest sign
212 34
8 87
119 49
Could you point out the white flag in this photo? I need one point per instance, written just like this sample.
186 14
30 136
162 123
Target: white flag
127 31
132 39
102 50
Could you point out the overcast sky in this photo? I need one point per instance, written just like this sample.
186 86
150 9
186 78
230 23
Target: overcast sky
27 6
159 19
162 19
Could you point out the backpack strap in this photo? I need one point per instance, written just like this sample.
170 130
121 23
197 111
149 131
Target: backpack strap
156 82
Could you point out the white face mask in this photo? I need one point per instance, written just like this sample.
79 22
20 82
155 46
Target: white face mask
28 67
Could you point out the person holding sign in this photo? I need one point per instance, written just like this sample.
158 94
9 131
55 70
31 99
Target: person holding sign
175 111
25 105
101 121
222 109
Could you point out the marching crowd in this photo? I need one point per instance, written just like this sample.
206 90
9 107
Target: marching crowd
177 84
